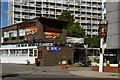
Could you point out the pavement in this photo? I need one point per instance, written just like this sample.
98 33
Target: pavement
86 72
72 71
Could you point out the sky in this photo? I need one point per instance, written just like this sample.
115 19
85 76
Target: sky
4 13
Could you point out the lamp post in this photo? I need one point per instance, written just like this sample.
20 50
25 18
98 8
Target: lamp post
103 35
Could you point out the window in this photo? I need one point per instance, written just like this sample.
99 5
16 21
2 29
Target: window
24 52
21 32
6 34
21 37
31 52
4 52
35 53
13 33
12 52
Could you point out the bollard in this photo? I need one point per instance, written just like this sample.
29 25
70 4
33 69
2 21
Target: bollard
38 63
28 62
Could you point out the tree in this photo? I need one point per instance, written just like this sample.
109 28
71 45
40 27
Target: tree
73 28
92 41
66 15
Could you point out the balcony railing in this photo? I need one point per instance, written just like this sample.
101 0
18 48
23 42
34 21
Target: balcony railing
84 21
82 15
31 4
31 17
17 9
95 22
51 6
25 10
17 16
95 27
83 4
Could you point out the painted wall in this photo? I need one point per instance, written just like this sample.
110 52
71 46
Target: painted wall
113 18
18 60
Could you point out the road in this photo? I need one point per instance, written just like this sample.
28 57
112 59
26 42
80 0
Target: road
32 72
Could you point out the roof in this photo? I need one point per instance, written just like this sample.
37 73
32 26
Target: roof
65 21
43 18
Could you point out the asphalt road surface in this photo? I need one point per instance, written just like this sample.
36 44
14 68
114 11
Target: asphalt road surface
32 72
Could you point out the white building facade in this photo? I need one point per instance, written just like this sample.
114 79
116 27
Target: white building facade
87 12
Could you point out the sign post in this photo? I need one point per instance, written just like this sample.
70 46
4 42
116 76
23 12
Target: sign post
101 60
103 35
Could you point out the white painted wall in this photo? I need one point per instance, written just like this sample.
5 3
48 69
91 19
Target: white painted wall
18 60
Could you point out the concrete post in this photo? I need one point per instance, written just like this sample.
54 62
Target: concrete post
101 60
103 46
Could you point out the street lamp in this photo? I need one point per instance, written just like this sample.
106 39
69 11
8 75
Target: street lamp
103 35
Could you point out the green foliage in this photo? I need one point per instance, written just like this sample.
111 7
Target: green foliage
89 60
73 28
93 41
96 59
66 15
105 61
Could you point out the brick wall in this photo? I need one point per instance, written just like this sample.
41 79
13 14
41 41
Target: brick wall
54 57
107 68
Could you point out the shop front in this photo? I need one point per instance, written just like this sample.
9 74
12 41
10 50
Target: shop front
18 54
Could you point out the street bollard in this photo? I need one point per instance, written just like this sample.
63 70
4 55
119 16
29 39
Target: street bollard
38 63
28 62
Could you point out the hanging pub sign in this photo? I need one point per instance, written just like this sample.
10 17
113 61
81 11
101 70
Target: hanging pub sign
103 28
53 49
103 31
24 25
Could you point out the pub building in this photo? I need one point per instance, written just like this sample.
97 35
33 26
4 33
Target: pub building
39 39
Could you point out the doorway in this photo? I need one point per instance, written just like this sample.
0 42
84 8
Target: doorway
79 55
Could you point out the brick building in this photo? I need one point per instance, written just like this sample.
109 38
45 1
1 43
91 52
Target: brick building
36 39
